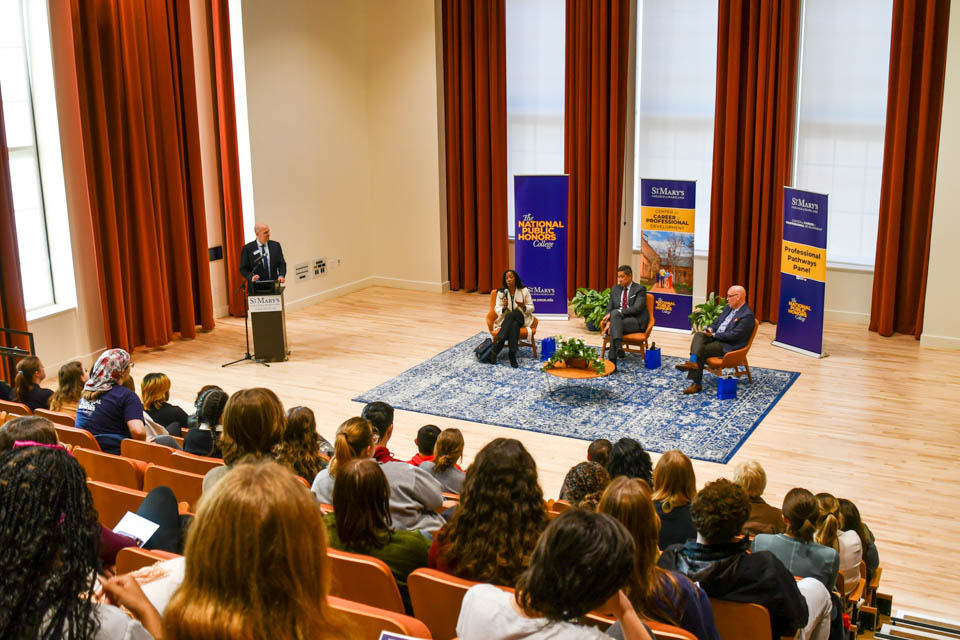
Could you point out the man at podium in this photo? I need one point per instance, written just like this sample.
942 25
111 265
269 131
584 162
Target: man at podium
262 259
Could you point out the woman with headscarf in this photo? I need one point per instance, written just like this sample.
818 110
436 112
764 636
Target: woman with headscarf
107 409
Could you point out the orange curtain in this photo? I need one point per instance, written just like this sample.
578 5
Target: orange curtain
138 112
232 214
757 49
918 51
475 115
594 130
13 314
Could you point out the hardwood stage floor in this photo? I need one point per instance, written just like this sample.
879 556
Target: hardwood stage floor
876 422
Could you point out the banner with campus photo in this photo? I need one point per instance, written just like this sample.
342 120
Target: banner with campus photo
540 247
803 272
667 209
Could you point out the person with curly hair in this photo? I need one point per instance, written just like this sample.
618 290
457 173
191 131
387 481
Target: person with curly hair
155 394
580 563
26 385
299 448
718 560
447 452
71 378
657 594
253 423
415 495
500 516
49 560
361 523
627 458
584 484
256 562
674 487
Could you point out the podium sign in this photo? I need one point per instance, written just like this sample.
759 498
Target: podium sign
268 324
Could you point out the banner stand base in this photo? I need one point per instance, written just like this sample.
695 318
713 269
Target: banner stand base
790 347
552 316
657 327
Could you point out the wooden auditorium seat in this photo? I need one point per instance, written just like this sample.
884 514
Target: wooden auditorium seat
187 487
14 409
146 451
130 559
637 339
363 579
76 437
57 417
191 463
112 502
368 622
528 337
106 467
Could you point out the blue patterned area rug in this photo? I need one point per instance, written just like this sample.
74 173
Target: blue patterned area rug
644 404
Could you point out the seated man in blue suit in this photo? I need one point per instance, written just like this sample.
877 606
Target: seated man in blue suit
729 332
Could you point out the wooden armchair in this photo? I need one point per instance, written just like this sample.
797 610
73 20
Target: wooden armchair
734 359
638 339
528 337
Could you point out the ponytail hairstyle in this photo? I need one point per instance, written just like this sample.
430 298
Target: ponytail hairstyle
850 521
210 409
448 450
828 525
353 437
26 370
70 378
801 512
154 390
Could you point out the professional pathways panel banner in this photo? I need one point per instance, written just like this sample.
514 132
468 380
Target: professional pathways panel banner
540 247
803 272
667 209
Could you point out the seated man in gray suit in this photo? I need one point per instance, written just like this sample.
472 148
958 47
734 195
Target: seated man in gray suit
729 332
626 312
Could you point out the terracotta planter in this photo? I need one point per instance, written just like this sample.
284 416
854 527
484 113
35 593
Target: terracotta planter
575 363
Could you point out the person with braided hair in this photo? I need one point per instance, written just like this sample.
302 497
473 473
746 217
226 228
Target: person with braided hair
50 536
204 439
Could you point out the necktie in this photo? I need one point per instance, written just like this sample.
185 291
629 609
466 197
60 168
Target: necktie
623 305
266 259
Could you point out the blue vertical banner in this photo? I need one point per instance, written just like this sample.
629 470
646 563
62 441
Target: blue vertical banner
540 247
803 272
668 210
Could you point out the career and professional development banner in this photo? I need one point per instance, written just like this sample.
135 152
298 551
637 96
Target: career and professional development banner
667 209
541 241
803 271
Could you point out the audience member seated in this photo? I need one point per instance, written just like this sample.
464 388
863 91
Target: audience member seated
107 408
361 522
718 560
380 415
6 392
256 562
204 439
26 385
426 440
581 563
764 518
501 515
155 393
599 452
299 448
192 418
674 487
627 458
71 377
850 521
448 451
657 594
847 543
584 485
49 558
415 494
253 422
27 429
795 547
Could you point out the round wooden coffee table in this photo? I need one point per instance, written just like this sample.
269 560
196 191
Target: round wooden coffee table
560 370
572 386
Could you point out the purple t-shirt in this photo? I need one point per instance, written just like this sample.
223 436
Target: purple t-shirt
110 412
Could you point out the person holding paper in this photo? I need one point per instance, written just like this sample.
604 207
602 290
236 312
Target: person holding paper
262 259
514 309
730 331
626 312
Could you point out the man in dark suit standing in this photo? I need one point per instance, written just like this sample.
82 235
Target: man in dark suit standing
262 259
626 312
729 332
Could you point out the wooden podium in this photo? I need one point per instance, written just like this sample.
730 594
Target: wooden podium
268 323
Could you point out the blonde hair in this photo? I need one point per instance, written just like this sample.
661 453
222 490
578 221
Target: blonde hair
256 562
674 482
353 436
751 476
154 390
448 449
828 526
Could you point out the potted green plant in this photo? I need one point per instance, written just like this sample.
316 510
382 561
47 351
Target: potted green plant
591 305
575 354
707 311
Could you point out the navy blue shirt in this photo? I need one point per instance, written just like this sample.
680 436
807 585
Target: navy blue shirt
110 412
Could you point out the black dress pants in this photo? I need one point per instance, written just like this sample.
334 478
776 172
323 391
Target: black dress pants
704 347
160 506
510 330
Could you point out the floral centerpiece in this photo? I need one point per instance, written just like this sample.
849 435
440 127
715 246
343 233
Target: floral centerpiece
574 354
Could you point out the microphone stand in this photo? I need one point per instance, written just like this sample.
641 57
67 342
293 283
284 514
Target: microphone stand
246 330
